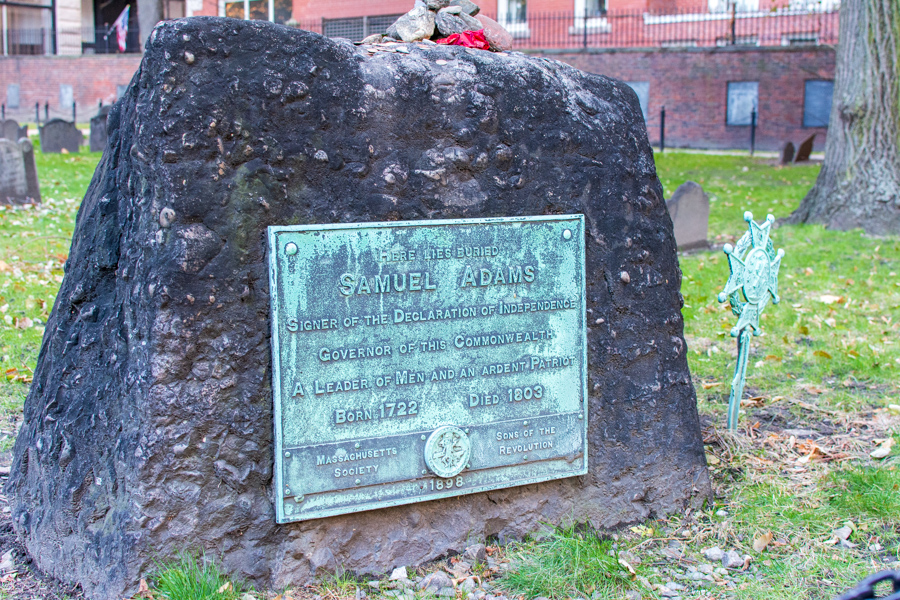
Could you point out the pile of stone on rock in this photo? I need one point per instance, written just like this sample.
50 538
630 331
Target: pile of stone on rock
436 20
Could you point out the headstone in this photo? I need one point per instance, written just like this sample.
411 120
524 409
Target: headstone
66 96
58 135
787 153
98 129
10 130
642 89
805 149
12 95
18 174
149 426
689 209
743 99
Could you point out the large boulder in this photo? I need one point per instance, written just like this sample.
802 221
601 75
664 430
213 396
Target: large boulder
148 428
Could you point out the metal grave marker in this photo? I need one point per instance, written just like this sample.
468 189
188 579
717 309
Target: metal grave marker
425 359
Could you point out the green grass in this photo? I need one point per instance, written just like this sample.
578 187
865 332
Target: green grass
571 563
190 578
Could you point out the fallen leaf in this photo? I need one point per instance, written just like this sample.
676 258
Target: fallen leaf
803 329
707 386
843 533
883 449
760 543
814 454
822 354
712 459
642 530
144 590
829 299
628 568
226 587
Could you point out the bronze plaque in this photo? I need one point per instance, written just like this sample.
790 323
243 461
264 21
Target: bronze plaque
425 359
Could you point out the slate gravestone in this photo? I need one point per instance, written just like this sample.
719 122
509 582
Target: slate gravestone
98 129
787 153
58 135
149 425
689 209
18 174
10 130
805 149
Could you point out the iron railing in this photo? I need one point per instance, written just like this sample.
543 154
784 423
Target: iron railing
539 31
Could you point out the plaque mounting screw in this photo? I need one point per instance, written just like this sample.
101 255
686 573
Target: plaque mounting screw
287 454
581 416
424 471
357 482
356 445
525 424
287 490
525 457
290 249
467 431
423 438
567 234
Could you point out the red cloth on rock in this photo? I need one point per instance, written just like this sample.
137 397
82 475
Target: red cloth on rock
469 39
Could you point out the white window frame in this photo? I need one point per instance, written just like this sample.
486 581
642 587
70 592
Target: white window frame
594 24
517 30
246 4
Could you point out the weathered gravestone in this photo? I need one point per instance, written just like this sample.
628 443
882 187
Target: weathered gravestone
11 130
689 209
18 174
149 424
805 149
98 129
58 135
787 153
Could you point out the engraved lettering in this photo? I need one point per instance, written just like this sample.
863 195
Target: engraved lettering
298 389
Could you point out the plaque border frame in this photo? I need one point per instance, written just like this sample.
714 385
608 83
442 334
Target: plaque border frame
272 232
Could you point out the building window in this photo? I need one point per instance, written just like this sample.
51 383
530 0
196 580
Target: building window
642 89
513 15
26 29
278 11
590 14
739 5
739 40
817 103
743 100
800 39
357 28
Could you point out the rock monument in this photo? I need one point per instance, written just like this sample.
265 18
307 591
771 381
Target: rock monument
148 428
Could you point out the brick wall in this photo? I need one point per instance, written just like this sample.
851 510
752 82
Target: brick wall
93 78
693 86
691 83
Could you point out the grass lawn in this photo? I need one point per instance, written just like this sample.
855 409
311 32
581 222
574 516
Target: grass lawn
796 491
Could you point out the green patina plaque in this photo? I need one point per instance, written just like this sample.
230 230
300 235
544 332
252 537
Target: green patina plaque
425 359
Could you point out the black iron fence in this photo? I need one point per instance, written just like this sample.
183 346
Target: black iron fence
636 29
538 31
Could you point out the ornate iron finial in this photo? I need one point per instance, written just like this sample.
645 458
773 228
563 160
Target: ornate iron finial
754 268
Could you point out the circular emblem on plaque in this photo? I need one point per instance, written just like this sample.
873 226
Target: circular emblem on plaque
447 451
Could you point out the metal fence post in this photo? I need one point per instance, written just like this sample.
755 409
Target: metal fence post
74 113
584 25
46 111
37 113
752 132
733 23
662 130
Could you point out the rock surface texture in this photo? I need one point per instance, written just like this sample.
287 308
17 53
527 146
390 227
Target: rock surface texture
148 428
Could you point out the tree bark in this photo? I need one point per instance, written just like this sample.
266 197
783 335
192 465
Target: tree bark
859 184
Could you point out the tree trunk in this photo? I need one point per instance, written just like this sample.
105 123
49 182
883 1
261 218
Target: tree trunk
859 184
